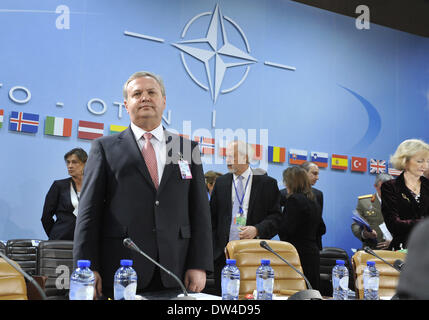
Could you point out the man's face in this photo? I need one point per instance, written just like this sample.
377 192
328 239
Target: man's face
145 103
313 174
235 161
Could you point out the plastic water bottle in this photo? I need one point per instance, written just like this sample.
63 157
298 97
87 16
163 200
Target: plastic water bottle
371 279
264 281
125 281
340 281
230 281
82 282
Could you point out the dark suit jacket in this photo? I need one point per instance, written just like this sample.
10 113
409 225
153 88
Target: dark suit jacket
300 226
318 195
118 200
263 213
400 210
58 203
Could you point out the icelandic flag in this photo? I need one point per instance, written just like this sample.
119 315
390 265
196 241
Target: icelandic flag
320 158
23 122
297 156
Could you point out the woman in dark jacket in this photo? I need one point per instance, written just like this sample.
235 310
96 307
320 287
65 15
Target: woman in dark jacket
405 200
301 222
62 199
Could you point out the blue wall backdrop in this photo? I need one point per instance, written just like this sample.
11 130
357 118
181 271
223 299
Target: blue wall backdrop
337 89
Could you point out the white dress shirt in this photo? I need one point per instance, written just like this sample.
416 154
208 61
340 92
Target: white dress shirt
158 143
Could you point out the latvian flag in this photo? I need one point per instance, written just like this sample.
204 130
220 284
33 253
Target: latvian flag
297 156
1 117
207 145
377 166
394 172
23 122
90 130
276 154
320 159
61 127
114 128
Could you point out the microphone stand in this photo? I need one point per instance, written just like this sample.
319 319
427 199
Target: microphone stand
128 243
371 252
26 276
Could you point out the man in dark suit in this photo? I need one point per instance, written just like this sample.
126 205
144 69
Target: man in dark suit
147 184
243 205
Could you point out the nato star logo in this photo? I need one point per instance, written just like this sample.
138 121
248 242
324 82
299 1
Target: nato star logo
215 51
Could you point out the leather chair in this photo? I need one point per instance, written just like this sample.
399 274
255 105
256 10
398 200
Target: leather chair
328 257
12 283
389 277
55 261
24 252
248 254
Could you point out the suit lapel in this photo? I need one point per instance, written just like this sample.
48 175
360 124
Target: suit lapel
256 182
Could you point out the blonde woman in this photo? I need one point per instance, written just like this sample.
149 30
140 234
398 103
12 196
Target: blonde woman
405 200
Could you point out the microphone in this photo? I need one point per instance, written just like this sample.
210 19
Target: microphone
371 252
309 294
128 243
26 275
399 264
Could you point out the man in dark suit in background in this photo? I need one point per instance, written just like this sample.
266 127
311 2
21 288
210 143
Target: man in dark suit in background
133 187
244 205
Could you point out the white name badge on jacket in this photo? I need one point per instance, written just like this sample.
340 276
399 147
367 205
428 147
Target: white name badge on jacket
185 171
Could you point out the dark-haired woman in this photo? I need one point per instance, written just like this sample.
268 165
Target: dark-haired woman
301 222
62 199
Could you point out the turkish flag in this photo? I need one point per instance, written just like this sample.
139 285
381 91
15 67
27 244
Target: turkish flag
359 164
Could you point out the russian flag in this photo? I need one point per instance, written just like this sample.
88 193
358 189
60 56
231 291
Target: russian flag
320 158
297 156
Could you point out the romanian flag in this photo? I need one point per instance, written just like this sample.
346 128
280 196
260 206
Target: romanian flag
297 156
55 126
276 154
339 162
116 128
1 117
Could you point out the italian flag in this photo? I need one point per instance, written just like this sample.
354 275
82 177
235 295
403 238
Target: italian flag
56 126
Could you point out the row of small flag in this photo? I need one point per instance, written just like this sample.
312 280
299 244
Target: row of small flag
62 127
56 126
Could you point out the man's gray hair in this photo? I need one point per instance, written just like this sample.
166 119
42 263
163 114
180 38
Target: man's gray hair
141 74
383 177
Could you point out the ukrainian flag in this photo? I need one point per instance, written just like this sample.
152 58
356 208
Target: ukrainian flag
276 154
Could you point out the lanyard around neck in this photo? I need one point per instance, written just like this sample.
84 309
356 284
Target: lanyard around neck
240 202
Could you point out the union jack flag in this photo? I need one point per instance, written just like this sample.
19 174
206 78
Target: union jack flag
207 145
377 166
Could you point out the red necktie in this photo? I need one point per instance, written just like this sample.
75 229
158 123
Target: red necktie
150 158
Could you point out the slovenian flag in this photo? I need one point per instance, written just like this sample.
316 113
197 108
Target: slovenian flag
90 130
55 126
339 162
23 122
320 159
276 154
297 156
116 128
1 117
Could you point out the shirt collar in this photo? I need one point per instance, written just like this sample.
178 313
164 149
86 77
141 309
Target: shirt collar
245 174
158 132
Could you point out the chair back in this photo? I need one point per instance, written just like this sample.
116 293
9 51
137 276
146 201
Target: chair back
24 252
389 277
12 283
248 255
3 247
55 261
328 258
